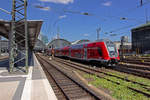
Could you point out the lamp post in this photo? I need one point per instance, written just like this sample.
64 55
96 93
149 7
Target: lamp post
98 32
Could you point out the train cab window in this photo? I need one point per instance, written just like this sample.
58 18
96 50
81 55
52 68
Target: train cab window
111 49
99 51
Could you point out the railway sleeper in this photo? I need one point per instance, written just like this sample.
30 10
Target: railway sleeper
64 81
60 78
70 88
68 84
83 98
58 93
56 89
74 91
61 98
54 85
78 95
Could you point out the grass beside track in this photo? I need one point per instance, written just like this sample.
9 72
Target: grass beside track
120 92
131 77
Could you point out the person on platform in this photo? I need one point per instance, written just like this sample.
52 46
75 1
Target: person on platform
52 52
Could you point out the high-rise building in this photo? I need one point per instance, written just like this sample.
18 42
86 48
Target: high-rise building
141 38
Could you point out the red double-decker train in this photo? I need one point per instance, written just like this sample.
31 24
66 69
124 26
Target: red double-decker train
103 51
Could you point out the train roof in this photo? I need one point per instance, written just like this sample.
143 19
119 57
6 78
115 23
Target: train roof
101 40
107 41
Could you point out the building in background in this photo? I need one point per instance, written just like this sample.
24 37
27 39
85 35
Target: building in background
124 46
141 38
58 43
39 46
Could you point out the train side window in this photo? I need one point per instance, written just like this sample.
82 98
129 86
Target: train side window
99 51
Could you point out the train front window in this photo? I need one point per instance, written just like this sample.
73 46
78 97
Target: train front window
112 50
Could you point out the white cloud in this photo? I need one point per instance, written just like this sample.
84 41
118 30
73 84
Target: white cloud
108 3
61 17
85 34
59 1
42 7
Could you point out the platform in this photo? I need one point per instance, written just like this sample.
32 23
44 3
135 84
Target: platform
19 86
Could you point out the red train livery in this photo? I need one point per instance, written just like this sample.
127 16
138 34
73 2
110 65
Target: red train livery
103 51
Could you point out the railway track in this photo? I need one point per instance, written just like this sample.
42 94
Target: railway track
98 72
135 66
65 86
137 59
140 62
133 69
138 70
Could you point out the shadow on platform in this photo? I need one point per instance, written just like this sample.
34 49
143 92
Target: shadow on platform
19 67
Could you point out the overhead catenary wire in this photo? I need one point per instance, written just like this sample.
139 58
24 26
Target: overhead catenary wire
119 17
5 11
132 9
121 33
116 17
83 13
122 28
125 27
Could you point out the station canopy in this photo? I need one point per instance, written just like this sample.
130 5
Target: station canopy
34 27
58 43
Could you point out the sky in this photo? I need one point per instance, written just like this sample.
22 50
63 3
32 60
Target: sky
66 16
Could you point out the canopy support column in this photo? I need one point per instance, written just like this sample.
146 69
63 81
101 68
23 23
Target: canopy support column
19 28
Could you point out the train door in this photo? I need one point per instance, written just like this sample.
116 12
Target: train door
69 52
85 53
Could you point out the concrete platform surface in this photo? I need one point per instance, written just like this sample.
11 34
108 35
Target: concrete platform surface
33 86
